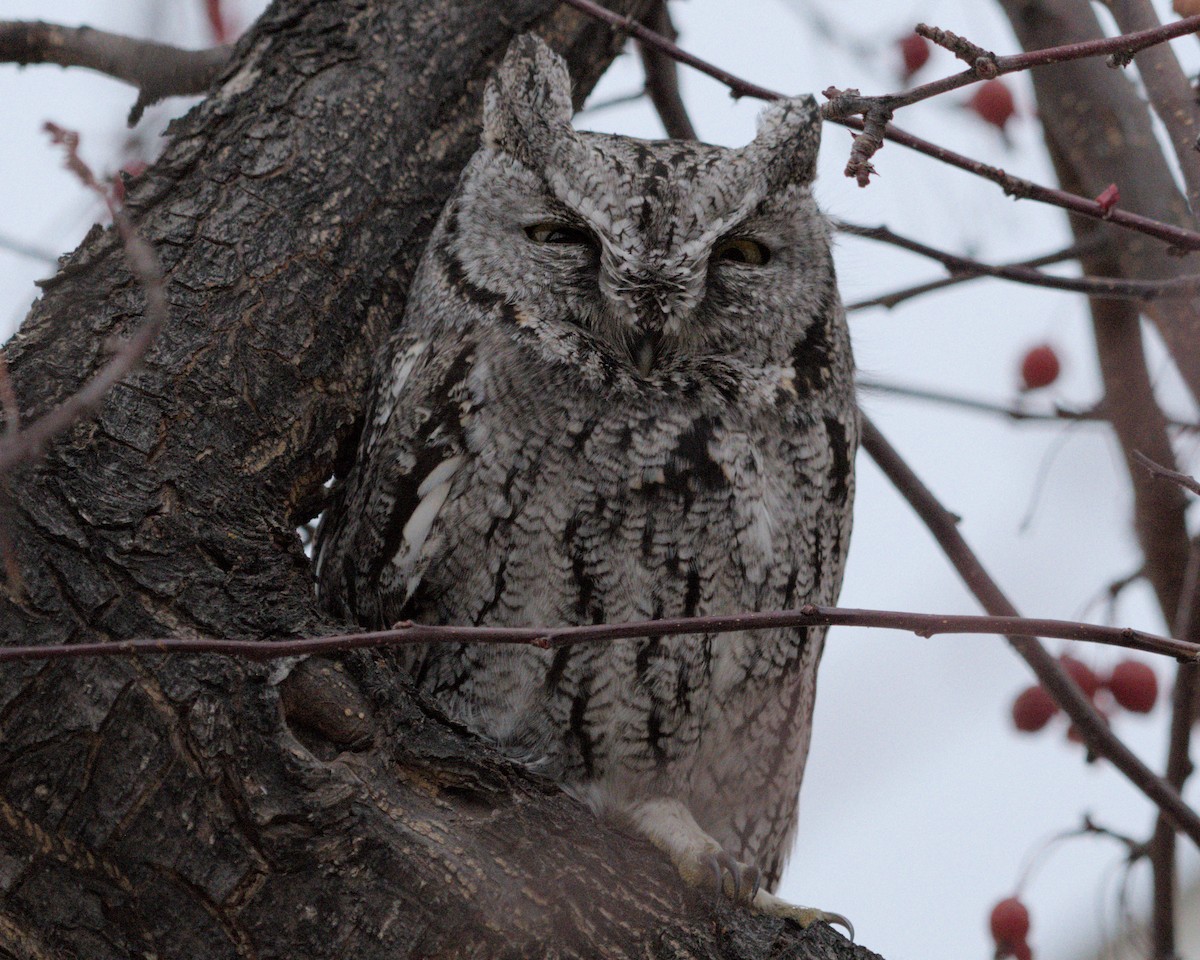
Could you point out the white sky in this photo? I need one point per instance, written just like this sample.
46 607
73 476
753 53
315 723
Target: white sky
921 805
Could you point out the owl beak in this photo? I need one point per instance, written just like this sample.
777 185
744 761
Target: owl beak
645 350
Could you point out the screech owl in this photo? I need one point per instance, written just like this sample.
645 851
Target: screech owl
622 390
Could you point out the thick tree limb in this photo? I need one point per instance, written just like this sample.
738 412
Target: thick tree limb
1101 131
1169 89
288 210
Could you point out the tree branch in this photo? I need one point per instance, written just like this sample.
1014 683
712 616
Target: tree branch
552 638
1177 237
662 79
1168 88
1096 734
1182 479
1058 415
1179 765
25 445
894 299
1111 288
156 69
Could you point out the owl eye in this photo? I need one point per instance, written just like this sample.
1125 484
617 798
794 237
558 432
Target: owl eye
740 250
559 233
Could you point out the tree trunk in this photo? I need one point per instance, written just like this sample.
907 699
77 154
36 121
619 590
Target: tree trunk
200 806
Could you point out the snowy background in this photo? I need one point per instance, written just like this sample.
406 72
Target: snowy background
922 806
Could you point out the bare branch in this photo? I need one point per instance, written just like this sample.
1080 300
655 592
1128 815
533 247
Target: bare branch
1122 47
1179 764
1110 288
1096 734
662 79
1183 479
156 69
1057 415
737 86
29 250
890 300
27 445
1178 237
1169 91
985 65
809 615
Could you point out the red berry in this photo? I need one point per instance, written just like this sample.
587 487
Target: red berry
1009 922
1108 198
1021 951
1082 674
915 51
993 102
1033 709
1134 686
1040 367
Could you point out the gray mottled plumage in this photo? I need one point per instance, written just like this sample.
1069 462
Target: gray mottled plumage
623 419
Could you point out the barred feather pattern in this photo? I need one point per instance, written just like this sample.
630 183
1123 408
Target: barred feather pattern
624 424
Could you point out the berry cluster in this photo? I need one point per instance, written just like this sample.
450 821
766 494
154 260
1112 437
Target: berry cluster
1131 685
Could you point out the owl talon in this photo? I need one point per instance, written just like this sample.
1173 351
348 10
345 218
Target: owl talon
841 921
754 875
773 906
718 879
744 878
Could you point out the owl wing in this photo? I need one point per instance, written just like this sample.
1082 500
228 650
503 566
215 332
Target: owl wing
378 534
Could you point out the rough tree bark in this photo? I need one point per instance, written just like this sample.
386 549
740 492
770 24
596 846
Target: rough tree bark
197 807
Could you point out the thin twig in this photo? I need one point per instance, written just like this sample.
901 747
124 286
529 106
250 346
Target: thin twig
1178 237
28 444
627 25
547 637
1057 415
618 101
1124 46
28 250
1096 734
894 299
877 110
1110 288
1013 186
1185 481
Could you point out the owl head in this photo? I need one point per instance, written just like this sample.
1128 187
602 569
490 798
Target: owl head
642 261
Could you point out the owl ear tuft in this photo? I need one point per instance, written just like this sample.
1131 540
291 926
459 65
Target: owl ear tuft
528 100
788 138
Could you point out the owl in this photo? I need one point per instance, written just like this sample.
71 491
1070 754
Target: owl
622 390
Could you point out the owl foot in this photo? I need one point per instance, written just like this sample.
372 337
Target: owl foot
700 860
773 906
743 879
